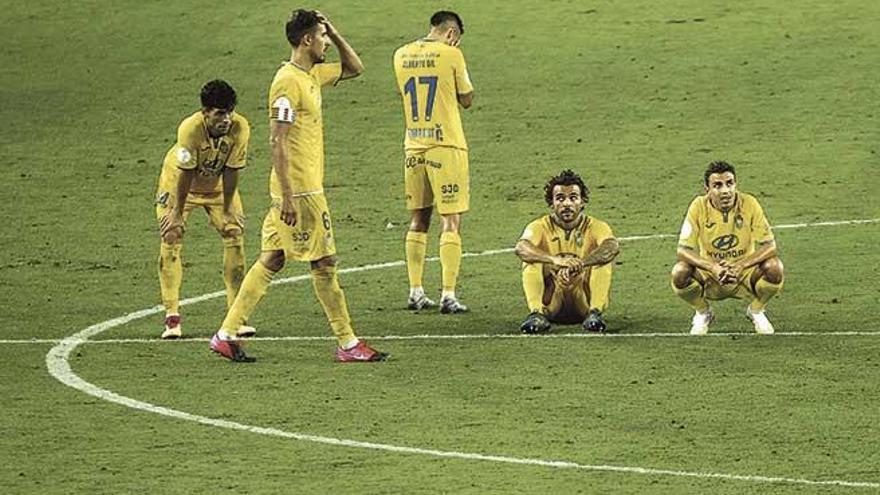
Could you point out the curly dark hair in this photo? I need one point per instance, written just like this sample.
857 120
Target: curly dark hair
718 167
301 22
443 16
565 178
218 94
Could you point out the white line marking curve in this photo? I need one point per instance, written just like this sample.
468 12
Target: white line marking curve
59 367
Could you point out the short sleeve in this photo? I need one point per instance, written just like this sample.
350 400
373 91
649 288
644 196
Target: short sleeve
187 147
463 83
600 231
760 226
284 98
689 237
328 73
534 233
239 153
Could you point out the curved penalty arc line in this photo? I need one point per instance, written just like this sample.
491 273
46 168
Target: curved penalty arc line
58 365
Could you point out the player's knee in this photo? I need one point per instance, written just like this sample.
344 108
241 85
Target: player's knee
325 262
233 240
421 220
272 260
451 223
173 236
773 270
681 275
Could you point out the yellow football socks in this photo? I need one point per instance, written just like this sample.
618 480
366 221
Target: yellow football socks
450 259
253 288
533 285
764 291
416 246
600 286
233 267
170 276
693 295
332 299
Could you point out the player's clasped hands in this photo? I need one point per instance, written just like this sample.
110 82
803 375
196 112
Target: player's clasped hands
725 273
569 267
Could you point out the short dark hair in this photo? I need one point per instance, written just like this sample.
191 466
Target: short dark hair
218 94
718 167
443 16
565 178
301 22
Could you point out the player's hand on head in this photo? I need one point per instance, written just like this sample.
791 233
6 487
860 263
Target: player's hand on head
331 29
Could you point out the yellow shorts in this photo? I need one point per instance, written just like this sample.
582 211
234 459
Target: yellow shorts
437 175
742 289
211 202
310 239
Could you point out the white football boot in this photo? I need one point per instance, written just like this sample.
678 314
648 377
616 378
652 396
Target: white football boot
172 328
759 319
246 331
701 321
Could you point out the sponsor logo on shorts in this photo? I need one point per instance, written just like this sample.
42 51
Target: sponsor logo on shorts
414 161
301 236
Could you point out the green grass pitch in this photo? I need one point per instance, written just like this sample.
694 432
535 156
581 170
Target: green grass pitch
637 96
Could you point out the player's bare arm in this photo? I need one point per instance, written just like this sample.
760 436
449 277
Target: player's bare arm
352 66
530 253
233 224
604 253
278 132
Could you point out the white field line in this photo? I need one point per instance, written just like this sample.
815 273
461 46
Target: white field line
475 336
58 366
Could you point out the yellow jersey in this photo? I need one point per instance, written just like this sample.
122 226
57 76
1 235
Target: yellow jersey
295 98
547 235
196 150
430 76
725 235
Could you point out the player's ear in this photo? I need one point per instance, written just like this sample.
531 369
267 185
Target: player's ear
450 35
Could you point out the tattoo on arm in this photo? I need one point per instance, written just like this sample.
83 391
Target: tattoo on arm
603 254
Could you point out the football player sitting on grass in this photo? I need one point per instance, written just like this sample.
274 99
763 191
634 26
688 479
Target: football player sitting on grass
567 254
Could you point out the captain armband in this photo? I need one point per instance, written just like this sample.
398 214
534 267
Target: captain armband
282 110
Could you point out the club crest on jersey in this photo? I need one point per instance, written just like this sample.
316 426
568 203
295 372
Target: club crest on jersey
224 147
738 221
578 238
725 242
